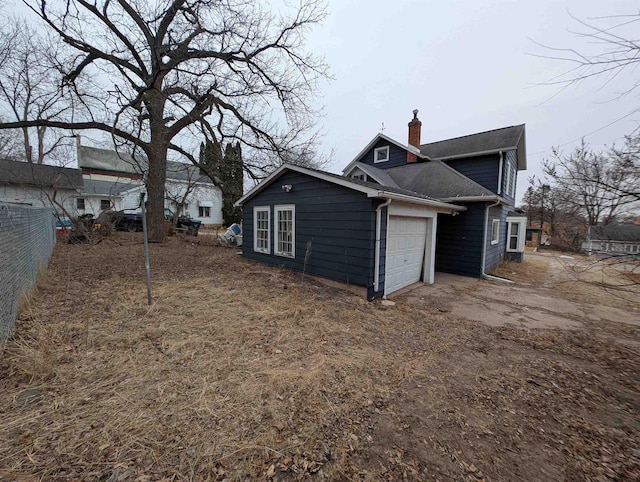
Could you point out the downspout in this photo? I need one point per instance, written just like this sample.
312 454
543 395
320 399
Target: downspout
484 244
500 174
376 270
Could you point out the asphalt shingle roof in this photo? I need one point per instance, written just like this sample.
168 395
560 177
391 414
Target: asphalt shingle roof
39 175
374 185
379 174
436 180
616 232
495 140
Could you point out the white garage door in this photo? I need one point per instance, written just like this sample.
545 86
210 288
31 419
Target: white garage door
405 251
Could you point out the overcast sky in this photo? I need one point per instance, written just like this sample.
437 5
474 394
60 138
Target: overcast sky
464 65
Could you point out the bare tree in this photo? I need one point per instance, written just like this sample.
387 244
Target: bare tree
9 145
583 178
626 160
609 48
171 70
29 90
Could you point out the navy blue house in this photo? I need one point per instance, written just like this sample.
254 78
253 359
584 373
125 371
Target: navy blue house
397 214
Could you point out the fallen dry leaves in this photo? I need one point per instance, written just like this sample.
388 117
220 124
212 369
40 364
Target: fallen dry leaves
240 371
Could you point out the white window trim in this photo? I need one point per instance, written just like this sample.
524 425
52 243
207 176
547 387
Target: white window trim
495 233
521 237
276 210
256 210
513 181
508 181
380 149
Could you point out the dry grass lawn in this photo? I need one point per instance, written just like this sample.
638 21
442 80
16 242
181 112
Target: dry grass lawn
240 371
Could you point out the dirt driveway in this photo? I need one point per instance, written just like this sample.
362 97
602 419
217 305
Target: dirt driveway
523 304
240 371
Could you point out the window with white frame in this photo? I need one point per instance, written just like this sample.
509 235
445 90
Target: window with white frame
495 231
261 229
516 233
507 184
514 174
381 154
285 227
204 212
80 204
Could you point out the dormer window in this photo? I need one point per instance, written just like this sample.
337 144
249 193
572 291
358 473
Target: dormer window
381 154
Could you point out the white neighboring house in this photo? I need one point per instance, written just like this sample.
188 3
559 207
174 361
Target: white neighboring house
40 185
614 239
116 179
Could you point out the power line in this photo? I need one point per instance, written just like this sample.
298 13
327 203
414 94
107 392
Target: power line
588 134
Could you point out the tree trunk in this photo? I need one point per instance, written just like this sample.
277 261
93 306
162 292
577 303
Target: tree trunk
156 177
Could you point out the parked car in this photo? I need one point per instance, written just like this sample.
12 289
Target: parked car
63 224
132 222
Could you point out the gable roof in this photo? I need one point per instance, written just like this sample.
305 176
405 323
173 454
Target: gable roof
181 171
438 180
369 188
489 142
379 175
616 232
373 142
39 175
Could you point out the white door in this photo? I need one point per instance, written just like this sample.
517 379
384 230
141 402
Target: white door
405 252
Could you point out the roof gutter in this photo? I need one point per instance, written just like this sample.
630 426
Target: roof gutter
473 154
416 200
474 198
376 270
500 173
484 245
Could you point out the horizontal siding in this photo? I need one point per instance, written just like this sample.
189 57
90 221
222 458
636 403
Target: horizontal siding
483 169
459 241
397 156
336 223
495 252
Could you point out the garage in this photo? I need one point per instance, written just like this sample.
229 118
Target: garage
406 242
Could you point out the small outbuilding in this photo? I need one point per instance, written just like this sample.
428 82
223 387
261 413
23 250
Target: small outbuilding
345 229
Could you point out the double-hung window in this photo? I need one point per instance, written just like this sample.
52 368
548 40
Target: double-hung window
516 233
261 229
285 231
495 231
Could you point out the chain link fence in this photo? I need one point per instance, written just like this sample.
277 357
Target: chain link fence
27 237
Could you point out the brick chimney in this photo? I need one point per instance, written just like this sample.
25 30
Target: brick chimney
414 136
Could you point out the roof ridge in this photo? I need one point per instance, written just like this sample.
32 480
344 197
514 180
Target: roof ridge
470 135
468 180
